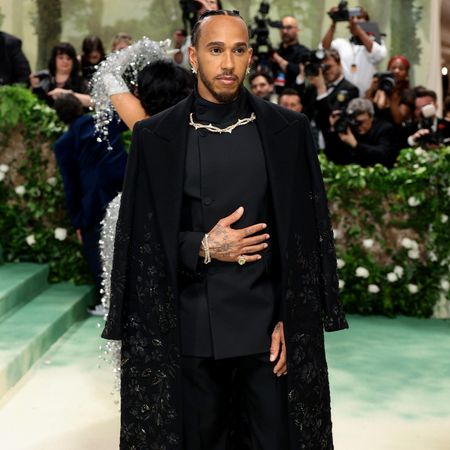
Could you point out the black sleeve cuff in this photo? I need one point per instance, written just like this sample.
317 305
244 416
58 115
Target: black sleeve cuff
189 247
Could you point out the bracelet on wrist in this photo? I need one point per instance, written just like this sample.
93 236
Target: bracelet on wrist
205 247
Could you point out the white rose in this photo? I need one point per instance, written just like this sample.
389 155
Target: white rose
392 277
413 201
4 168
52 181
444 218
445 285
419 151
337 234
398 270
2 176
20 190
30 240
406 243
362 272
413 289
413 254
433 257
368 243
341 284
60 234
373 289
340 263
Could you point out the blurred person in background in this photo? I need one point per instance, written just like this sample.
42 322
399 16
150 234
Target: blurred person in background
179 40
359 53
390 92
261 85
93 53
290 99
287 59
61 77
357 137
121 40
14 66
92 176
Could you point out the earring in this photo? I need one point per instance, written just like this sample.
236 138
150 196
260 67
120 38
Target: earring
248 71
194 70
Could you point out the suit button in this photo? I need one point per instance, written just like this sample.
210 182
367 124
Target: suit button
207 201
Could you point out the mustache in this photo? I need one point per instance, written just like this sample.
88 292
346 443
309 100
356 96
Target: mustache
227 74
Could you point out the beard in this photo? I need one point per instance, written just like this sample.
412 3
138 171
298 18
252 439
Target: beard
221 97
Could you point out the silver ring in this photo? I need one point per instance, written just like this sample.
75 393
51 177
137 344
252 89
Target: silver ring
241 260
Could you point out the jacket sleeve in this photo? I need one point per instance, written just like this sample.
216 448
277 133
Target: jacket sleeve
19 63
188 249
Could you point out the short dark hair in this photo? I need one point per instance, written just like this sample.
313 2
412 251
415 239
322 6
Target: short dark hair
333 53
163 84
64 48
422 91
290 91
260 73
195 36
68 108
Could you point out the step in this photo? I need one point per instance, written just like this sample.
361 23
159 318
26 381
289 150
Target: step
19 283
28 333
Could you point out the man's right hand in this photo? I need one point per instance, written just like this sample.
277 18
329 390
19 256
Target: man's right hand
227 244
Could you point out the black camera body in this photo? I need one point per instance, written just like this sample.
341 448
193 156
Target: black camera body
313 62
434 138
346 120
343 13
260 34
386 82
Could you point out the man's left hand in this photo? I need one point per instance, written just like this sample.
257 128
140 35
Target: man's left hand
348 138
278 348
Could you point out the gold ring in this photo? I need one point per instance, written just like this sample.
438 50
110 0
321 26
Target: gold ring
241 260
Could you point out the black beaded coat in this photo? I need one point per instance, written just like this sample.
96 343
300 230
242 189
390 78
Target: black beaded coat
143 311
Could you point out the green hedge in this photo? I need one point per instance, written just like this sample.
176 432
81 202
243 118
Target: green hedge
391 226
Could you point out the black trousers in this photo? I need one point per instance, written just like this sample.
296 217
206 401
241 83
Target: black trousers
233 404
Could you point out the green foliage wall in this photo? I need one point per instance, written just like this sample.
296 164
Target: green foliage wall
391 226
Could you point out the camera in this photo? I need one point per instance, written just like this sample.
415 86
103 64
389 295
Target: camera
313 62
386 82
260 34
189 9
343 13
434 138
346 120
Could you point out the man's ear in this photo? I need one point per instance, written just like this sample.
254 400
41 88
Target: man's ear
193 57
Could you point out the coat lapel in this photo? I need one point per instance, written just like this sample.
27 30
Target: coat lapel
280 142
166 155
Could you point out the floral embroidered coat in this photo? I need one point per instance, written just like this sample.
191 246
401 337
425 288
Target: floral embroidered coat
143 311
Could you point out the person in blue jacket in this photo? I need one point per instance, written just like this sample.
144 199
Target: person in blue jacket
92 175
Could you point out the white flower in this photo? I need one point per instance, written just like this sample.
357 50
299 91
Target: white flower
433 257
373 289
20 190
406 243
392 277
362 272
413 254
398 270
413 201
445 285
341 284
30 240
60 234
419 151
368 243
2 176
413 289
52 181
444 218
448 191
337 234
4 168
340 263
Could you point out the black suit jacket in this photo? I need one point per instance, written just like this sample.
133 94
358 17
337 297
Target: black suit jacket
14 66
144 291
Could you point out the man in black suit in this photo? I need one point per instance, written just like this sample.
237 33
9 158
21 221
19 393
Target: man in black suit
224 271
14 66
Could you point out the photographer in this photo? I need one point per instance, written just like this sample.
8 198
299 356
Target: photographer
428 131
261 85
333 90
357 137
390 92
290 99
289 56
360 53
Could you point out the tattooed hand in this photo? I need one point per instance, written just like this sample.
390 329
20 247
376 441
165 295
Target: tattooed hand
227 244
278 350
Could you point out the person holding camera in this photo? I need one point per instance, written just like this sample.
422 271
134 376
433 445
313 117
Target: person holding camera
357 137
261 85
288 57
428 130
360 53
390 92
